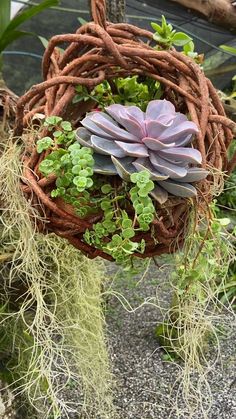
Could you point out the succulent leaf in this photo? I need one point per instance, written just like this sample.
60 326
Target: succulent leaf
159 194
195 174
156 128
112 129
189 155
184 190
171 170
127 140
175 132
132 126
93 128
136 114
132 112
103 165
84 137
154 144
107 147
135 150
124 167
156 108
144 164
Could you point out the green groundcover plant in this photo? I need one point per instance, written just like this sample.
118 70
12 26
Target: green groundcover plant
121 170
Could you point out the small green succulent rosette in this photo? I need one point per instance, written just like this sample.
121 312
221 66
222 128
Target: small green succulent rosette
126 140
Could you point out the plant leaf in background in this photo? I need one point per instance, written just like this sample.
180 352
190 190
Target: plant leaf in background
8 32
82 21
5 11
44 41
228 48
9 37
180 38
165 34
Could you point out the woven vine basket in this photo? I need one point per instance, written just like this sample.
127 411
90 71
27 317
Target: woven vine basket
100 51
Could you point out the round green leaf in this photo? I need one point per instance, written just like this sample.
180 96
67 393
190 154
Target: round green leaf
76 169
89 183
180 38
52 120
66 126
44 144
128 233
106 188
80 181
127 223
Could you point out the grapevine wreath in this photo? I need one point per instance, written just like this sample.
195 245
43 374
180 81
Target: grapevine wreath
120 180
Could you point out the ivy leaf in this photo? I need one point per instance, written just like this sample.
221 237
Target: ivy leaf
63 181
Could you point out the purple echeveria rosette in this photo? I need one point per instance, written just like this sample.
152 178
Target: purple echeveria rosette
126 140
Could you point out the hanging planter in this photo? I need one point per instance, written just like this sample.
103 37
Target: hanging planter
120 179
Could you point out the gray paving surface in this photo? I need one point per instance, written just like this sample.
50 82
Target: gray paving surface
145 381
